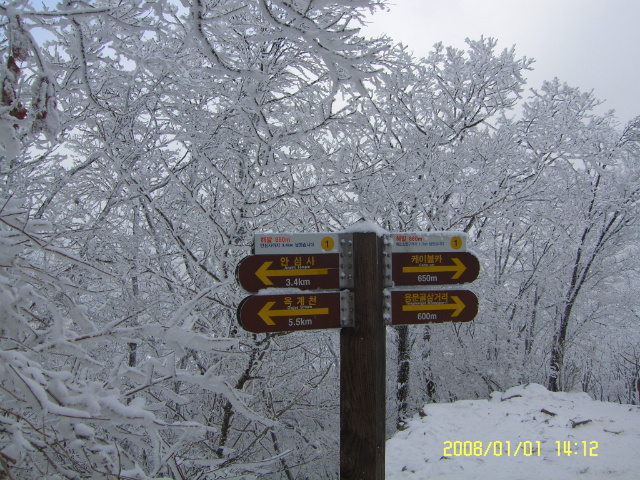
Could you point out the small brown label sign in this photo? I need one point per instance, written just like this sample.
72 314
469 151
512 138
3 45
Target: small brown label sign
302 271
290 312
422 306
429 268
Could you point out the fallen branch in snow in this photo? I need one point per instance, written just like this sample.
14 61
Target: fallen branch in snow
544 410
509 398
575 424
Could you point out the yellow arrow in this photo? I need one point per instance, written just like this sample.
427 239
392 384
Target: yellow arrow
457 306
263 273
266 313
458 268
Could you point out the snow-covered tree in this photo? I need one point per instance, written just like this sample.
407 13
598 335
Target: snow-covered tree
143 143
182 129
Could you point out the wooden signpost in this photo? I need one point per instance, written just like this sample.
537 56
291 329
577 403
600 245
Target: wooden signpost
329 280
363 367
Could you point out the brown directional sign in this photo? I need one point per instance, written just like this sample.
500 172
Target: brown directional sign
302 271
290 312
446 268
432 306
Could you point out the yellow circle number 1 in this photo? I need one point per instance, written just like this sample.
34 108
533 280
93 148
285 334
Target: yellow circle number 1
456 243
327 244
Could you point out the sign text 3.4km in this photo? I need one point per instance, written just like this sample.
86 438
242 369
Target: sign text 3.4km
303 271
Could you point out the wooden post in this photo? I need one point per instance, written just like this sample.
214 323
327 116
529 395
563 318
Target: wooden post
362 367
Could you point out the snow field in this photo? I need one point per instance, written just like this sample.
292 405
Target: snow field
510 420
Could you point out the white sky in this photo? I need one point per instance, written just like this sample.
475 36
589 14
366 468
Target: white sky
590 44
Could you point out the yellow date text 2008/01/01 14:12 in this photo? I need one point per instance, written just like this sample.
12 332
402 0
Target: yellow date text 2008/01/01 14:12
512 449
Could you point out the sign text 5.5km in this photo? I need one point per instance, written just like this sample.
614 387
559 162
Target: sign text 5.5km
291 312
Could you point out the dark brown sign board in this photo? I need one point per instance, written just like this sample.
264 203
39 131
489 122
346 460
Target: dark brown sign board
302 271
410 307
290 312
433 268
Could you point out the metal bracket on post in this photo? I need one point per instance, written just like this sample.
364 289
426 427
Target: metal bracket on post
388 278
346 309
386 253
386 306
346 260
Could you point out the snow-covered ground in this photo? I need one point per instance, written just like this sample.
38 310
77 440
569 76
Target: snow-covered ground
527 425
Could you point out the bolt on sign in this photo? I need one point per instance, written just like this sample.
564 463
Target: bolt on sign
432 306
294 311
